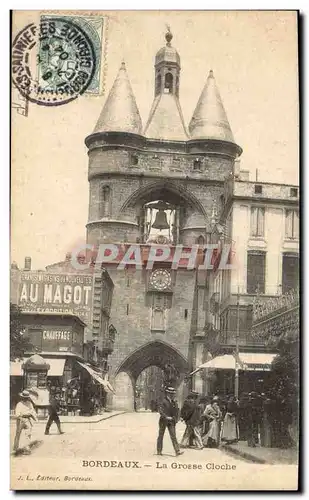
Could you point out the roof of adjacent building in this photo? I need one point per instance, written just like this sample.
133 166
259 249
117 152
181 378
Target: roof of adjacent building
165 120
54 314
209 120
120 112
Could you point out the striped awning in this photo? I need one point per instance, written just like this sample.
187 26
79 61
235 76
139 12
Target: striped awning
97 377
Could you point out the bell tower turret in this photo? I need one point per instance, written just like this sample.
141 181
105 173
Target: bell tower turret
165 118
167 68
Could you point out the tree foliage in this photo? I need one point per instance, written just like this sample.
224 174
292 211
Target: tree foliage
19 343
285 372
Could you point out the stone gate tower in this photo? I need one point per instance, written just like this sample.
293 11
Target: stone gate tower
157 184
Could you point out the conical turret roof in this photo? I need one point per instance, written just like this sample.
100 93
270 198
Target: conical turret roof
209 120
165 120
120 112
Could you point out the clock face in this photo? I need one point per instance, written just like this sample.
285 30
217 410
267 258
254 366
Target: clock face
160 279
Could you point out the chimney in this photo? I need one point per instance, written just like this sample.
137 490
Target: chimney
27 264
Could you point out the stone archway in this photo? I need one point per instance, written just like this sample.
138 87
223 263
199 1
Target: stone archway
167 191
155 353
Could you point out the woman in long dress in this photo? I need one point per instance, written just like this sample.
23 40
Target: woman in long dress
214 415
25 417
229 432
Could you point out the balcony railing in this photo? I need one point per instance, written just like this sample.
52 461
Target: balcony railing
264 307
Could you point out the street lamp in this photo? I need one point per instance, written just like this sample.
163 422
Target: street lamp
237 350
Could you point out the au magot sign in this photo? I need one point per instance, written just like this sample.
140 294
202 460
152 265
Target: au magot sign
64 293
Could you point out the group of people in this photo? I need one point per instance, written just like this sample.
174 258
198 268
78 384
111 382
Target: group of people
265 418
258 419
203 418
206 421
26 416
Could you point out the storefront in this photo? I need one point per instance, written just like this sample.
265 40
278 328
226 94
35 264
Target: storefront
254 370
58 338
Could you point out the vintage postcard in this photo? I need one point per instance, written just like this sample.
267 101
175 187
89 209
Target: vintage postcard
154 250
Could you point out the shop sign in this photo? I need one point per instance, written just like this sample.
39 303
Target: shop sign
62 293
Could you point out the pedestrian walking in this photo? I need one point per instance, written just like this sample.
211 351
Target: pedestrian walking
25 417
191 414
169 415
213 414
54 406
195 422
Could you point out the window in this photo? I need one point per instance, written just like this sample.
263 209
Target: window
293 192
292 224
176 163
290 272
156 162
258 189
168 84
257 221
197 164
134 160
159 312
35 337
200 240
104 201
256 272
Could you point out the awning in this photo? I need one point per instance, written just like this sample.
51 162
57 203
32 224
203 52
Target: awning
248 361
55 370
97 377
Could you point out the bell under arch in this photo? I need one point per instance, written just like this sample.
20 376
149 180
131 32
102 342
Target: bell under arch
180 205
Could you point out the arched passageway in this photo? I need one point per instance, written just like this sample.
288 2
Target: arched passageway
157 354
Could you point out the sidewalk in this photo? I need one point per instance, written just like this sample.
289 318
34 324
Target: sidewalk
261 455
83 419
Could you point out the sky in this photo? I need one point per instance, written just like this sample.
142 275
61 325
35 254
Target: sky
254 58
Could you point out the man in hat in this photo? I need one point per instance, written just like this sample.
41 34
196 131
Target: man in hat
25 416
54 406
169 414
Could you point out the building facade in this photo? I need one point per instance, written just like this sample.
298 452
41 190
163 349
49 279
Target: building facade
157 184
260 222
65 314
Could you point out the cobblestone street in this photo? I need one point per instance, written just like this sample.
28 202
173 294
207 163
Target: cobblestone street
123 448
123 437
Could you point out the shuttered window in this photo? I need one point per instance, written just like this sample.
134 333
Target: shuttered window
256 272
105 197
290 272
292 224
257 221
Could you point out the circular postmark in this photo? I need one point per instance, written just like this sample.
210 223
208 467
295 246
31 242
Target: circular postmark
53 63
